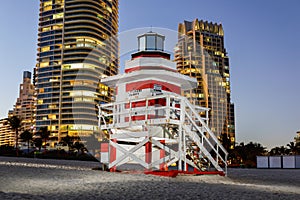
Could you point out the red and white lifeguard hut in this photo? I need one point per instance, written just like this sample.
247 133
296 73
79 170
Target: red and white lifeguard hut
151 124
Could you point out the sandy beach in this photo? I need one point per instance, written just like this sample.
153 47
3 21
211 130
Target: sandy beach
22 178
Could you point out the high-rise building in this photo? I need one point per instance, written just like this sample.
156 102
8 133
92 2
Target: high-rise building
200 53
24 107
77 46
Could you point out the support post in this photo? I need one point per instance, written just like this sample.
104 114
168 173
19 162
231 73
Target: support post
99 116
148 152
113 155
184 152
163 166
168 104
180 148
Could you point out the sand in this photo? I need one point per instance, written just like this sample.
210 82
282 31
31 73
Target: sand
22 178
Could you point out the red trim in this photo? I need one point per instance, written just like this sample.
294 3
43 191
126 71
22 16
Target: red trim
153 54
139 85
142 117
136 104
174 173
203 173
104 147
113 156
133 69
137 68
163 166
148 152
152 102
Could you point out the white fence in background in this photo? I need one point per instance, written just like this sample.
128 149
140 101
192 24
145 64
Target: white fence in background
278 162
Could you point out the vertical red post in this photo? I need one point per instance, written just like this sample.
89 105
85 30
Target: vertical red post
148 152
163 165
197 156
113 156
196 170
187 167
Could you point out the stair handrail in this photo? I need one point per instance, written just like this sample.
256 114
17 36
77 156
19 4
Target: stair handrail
196 138
212 147
205 126
219 145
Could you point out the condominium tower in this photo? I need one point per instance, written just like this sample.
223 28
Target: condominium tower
77 46
200 53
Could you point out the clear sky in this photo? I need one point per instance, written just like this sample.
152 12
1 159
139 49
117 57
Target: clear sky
262 38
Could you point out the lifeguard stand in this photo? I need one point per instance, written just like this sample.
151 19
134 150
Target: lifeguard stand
151 124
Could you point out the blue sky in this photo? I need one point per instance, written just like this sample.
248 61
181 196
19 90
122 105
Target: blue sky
262 38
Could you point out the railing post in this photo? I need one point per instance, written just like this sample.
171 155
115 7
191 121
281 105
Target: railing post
130 111
182 111
217 154
168 110
184 152
99 116
146 111
226 157
114 113
180 148
207 117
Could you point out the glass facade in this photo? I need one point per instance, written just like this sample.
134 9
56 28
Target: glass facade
77 46
200 53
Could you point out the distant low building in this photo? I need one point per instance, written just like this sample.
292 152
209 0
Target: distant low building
23 109
25 104
7 136
297 138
